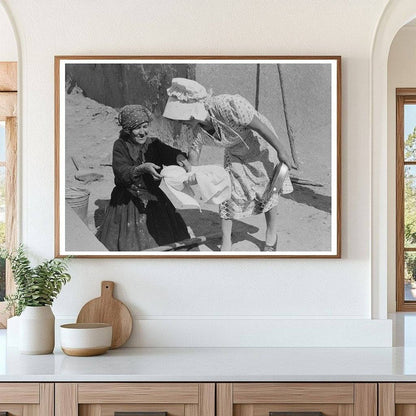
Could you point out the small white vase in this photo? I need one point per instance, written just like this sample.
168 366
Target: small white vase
37 330
13 331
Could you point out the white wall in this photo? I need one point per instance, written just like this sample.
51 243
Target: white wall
401 74
8 47
177 301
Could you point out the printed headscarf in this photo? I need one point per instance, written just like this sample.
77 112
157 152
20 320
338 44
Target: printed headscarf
131 116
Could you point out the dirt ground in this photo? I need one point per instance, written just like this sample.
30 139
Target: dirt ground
304 215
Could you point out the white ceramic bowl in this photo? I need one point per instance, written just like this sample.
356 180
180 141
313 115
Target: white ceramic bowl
84 340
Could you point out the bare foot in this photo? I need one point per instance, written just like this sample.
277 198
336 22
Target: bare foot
270 247
271 240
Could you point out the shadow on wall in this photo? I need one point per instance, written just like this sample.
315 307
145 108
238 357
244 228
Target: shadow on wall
117 85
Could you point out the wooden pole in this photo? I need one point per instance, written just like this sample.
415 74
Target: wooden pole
191 71
288 126
186 244
256 105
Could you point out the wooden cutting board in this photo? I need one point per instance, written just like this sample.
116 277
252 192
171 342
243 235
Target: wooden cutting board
107 309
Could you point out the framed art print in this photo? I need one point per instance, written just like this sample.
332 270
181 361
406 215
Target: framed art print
198 156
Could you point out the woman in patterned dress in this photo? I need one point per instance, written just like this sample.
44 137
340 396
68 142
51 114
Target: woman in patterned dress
252 152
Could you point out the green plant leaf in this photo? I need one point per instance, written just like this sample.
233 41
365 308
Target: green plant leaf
35 286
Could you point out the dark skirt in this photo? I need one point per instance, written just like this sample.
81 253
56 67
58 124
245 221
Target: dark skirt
133 224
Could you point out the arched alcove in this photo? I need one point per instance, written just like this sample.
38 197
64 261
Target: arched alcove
396 14
401 74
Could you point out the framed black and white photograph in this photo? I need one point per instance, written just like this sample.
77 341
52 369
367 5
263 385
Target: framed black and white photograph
198 156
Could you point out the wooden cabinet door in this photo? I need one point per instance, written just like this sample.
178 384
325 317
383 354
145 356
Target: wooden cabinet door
153 399
27 399
397 399
297 399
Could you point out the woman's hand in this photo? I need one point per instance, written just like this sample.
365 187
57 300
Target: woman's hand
192 180
261 128
286 159
149 168
182 161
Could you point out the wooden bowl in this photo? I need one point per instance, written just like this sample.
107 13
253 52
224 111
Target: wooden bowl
84 340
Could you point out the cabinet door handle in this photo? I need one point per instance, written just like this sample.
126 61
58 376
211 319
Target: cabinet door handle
138 414
296 414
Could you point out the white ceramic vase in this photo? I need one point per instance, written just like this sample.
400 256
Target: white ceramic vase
37 330
13 331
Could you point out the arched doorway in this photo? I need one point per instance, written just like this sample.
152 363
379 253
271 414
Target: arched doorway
396 14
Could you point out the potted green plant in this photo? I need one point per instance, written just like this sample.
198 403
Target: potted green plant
36 289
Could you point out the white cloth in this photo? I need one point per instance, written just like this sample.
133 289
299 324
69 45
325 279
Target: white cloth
213 186
174 185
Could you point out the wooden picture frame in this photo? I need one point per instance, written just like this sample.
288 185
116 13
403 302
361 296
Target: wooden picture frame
299 95
8 162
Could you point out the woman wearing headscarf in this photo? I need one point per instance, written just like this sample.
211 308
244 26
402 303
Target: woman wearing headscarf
139 215
254 156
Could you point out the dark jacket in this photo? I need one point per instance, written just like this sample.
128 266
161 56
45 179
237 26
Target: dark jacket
154 151
140 215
